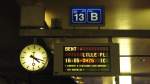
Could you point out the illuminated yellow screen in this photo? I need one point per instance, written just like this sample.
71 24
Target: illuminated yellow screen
86 59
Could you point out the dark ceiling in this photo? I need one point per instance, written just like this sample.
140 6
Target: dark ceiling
9 24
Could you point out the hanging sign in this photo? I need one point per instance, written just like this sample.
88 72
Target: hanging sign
87 16
86 59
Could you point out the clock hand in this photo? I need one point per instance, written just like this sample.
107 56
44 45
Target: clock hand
35 58
39 59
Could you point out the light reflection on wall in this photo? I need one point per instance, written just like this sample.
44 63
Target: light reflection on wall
141 18
125 80
113 80
125 49
123 21
48 18
107 80
125 62
123 14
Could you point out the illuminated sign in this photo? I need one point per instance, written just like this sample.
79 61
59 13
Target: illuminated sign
87 15
90 59
86 58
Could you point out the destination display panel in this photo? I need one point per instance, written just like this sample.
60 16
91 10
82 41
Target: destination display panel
86 59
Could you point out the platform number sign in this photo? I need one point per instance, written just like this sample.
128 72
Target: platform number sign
79 15
92 15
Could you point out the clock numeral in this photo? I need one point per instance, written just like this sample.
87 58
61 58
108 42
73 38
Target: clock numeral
39 48
33 68
23 62
22 57
43 63
34 46
27 67
24 52
28 48
38 66
43 52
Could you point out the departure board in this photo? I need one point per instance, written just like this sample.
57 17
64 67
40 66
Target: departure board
86 59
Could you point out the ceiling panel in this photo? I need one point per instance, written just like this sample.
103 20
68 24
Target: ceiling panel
120 14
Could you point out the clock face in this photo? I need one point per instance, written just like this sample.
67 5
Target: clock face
33 57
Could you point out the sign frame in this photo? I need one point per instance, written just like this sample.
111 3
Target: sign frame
58 60
87 23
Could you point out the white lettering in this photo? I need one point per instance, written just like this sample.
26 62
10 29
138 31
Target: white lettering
94 16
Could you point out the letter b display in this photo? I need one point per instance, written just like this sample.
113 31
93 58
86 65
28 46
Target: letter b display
94 16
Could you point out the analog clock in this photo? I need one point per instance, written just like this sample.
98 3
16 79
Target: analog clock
33 57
